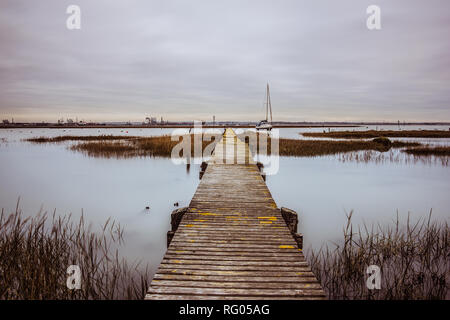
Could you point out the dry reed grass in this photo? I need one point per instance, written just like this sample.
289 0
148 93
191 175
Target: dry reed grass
312 148
429 151
162 146
380 133
413 258
78 138
35 253
158 146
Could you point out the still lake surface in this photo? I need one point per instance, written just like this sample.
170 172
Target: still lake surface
49 177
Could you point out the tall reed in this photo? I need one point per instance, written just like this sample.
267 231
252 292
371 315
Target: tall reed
35 253
157 146
413 258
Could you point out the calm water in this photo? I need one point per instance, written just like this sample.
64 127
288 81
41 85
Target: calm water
321 189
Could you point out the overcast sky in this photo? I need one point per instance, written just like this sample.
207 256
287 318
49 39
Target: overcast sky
187 60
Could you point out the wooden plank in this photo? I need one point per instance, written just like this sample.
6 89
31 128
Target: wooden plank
306 277
299 271
189 262
239 267
280 255
212 297
286 259
238 285
236 292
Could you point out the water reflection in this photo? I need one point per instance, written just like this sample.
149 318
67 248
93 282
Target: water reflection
392 156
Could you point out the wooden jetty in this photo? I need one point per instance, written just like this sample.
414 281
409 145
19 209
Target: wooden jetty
232 242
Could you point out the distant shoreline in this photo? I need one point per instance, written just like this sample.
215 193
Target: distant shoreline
163 126
190 125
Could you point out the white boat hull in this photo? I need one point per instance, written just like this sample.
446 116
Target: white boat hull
264 127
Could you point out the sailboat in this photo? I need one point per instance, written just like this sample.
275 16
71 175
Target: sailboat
265 124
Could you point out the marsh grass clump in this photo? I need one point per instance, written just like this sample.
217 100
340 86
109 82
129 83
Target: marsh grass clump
429 151
35 253
162 146
370 134
154 146
157 146
413 258
405 144
78 138
312 148
105 149
383 141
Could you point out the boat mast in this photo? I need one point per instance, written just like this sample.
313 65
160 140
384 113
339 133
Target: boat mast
267 102
268 105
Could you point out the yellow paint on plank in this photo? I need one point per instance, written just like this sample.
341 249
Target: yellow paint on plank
200 220
207 214
265 222
271 218
189 225
286 247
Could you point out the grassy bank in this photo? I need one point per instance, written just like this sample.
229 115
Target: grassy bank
108 146
380 133
159 146
36 252
413 259
162 146
312 148
78 138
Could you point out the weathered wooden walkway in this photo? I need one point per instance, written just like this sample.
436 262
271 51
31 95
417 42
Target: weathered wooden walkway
232 242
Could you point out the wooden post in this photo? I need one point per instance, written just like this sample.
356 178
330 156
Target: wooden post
203 167
175 219
291 219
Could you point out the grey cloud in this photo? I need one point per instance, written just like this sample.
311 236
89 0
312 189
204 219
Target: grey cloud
193 59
